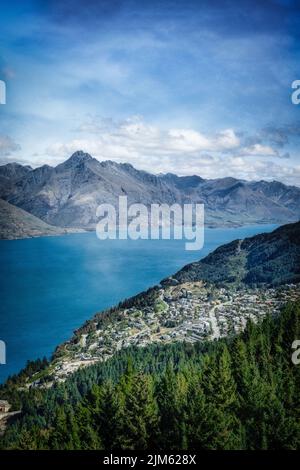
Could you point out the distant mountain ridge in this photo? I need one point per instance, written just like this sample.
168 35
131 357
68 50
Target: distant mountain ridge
268 258
68 195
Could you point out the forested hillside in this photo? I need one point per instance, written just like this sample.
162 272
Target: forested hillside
268 258
238 393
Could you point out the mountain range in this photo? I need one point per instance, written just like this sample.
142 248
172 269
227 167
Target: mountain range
68 195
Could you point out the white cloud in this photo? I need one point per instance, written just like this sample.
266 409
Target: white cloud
227 139
259 150
183 151
7 145
136 138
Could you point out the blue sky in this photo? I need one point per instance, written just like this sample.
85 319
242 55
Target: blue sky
184 86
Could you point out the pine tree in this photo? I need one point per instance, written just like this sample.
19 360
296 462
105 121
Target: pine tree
219 385
87 434
170 413
139 427
60 432
107 413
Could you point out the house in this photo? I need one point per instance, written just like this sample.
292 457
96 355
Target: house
4 406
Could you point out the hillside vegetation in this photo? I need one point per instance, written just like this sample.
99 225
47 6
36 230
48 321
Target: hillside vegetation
241 393
268 258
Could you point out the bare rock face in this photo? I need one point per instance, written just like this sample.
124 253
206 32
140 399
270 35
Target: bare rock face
67 195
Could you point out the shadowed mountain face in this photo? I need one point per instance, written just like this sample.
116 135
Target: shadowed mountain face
68 194
17 223
269 258
12 172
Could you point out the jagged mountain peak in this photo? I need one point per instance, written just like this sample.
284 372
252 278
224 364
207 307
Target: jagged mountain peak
80 155
76 158
16 165
68 194
14 170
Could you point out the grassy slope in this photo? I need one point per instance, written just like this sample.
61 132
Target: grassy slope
17 223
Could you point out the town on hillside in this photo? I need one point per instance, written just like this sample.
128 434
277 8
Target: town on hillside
190 312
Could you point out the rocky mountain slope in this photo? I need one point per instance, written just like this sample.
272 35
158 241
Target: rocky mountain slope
68 194
268 258
17 223
12 172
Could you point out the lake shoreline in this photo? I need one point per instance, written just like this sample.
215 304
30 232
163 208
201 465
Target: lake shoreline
50 286
70 231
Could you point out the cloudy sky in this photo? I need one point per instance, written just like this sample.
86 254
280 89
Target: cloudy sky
190 87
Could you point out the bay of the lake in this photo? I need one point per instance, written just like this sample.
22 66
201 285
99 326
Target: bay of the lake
49 286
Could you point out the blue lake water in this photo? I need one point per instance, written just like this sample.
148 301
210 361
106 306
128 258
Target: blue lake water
49 286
